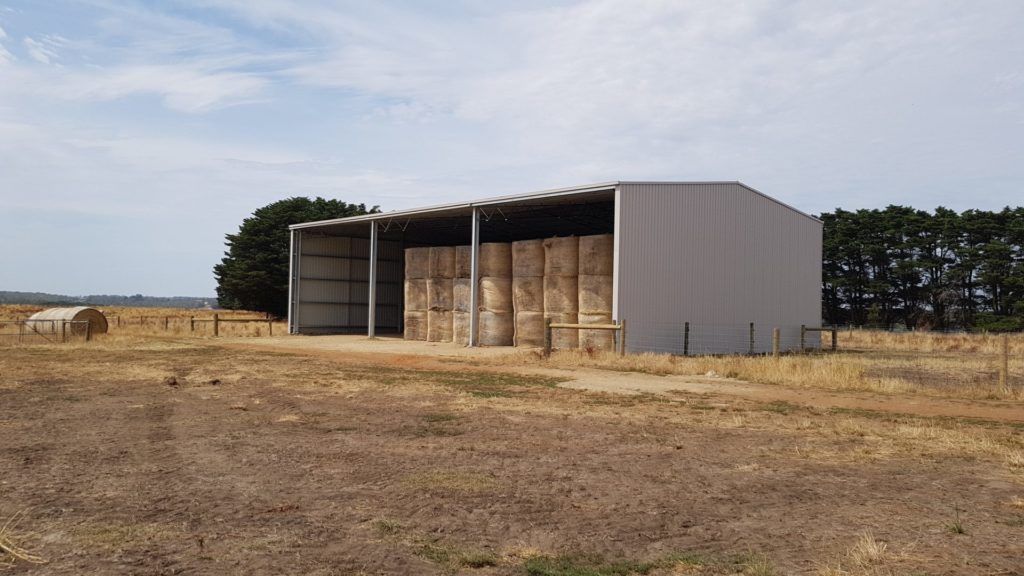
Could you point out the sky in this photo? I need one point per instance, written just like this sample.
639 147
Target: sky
135 135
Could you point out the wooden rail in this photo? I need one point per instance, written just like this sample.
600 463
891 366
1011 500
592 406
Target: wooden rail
549 326
805 329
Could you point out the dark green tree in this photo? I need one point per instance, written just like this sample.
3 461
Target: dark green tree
254 272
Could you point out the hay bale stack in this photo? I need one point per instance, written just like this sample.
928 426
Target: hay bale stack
417 270
595 290
440 294
496 316
460 309
561 288
528 292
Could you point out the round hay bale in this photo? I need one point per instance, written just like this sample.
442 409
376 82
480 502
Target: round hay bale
529 329
415 325
442 262
561 294
596 339
528 294
562 256
597 254
461 294
460 328
595 294
496 294
417 262
496 260
439 326
415 294
463 261
496 328
527 258
565 338
440 294
56 319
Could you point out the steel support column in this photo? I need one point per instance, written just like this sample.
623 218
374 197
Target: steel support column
371 316
474 275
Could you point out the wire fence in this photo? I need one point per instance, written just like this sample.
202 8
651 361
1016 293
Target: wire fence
45 331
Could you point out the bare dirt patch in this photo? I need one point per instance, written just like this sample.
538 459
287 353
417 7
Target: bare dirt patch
260 462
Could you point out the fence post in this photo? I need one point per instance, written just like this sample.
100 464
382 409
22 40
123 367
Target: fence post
21 331
118 320
622 335
270 326
88 330
216 324
834 336
191 323
803 337
1004 364
686 339
750 348
775 342
547 337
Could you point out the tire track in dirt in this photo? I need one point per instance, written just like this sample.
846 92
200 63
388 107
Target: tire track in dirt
616 382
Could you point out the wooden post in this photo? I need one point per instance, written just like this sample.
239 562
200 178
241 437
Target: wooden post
270 326
686 339
88 331
750 349
834 336
622 335
803 337
775 342
165 323
21 331
216 324
1004 364
191 323
118 320
547 337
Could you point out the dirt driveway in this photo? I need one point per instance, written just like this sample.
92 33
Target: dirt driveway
424 355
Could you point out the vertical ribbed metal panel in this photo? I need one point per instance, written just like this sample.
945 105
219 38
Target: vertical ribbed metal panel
719 256
333 284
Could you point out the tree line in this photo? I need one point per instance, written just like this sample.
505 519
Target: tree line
933 270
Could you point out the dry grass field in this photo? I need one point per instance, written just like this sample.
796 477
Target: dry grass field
153 452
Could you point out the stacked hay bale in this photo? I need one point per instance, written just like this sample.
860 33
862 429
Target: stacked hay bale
561 288
528 292
595 290
440 293
461 295
496 322
417 266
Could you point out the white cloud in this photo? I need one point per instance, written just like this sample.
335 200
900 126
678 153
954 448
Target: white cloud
44 50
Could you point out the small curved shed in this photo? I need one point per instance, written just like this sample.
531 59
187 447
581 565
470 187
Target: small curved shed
55 319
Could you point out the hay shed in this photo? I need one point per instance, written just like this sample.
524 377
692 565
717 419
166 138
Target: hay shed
692 267
70 319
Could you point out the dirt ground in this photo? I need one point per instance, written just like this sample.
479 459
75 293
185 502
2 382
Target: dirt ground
164 456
